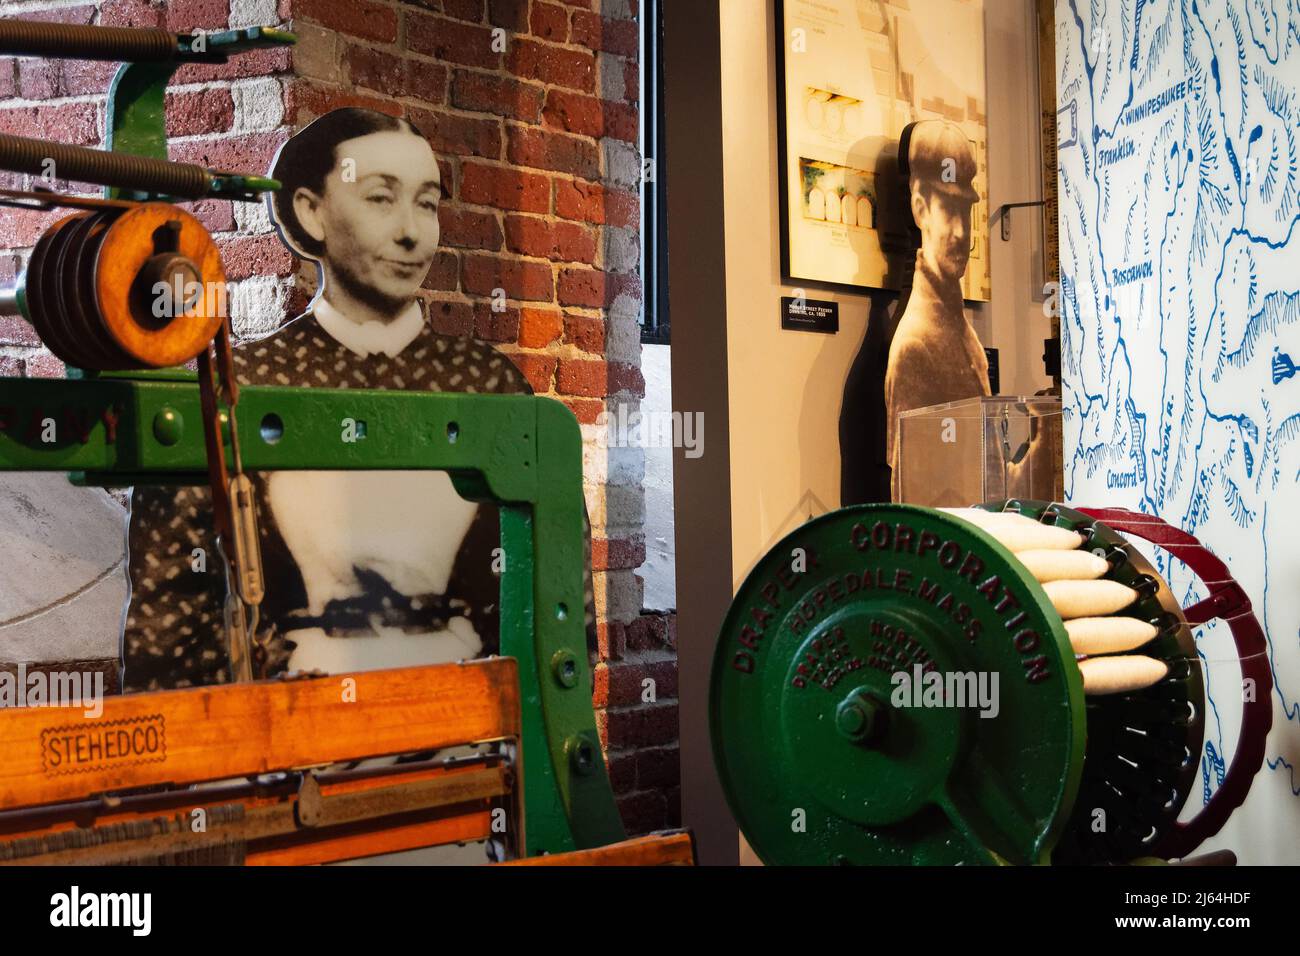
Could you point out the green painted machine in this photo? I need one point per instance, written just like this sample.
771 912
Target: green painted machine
124 420
828 753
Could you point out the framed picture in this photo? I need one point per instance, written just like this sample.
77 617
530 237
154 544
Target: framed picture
851 74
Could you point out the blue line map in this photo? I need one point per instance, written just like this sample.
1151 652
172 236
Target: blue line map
1179 192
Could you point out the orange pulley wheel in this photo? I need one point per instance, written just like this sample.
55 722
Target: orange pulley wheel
159 285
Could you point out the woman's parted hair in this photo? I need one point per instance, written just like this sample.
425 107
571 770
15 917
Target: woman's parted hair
310 155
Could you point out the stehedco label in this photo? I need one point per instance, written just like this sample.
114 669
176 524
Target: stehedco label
81 748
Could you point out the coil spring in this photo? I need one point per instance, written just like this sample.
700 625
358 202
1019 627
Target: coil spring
123 170
75 41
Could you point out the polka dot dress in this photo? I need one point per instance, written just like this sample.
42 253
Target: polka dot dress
174 629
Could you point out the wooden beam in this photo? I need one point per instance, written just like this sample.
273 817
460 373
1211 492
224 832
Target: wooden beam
203 734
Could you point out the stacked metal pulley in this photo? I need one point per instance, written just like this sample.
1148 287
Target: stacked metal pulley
126 286
1013 683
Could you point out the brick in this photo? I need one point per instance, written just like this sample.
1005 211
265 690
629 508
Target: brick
44 365
22 231
575 113
375 69
451 41
581 377
245 256
380 70
471 10
540 372
193 112
9 75
469 229
84 15
592 202
452 318
541 149
493 326
458 134
589 116
558 241
609 554
585 332
644 726
307 99
549 21
248 152
585 410
622 684
76 123
358 18
582 287
482 273
643 812
611 640
664 675
186 16
511 14
49 79
15 330
599 33
504 188
647 633
317 54
12 367
619 683
622 771
539 328
217 215
255 63
531 60
425 81
658 768
444 275
626 377
501 95
622 121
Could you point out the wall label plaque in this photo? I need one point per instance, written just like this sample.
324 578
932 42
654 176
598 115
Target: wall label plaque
809 315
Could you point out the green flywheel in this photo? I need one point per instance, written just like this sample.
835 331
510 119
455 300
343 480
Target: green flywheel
891 686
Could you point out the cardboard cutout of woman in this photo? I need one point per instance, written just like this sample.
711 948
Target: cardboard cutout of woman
363 569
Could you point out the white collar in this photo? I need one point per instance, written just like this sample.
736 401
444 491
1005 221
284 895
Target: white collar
372 336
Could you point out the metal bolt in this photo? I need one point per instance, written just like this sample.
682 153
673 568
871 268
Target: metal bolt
168 426
565 667
859 717
582 754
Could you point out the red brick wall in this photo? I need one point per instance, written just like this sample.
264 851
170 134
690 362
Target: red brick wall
532 107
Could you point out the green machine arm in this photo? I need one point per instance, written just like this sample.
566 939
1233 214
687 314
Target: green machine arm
522 453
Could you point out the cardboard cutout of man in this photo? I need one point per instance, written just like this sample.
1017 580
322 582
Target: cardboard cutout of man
935 356
363 569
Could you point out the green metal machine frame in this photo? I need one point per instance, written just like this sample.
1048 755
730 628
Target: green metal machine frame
521 453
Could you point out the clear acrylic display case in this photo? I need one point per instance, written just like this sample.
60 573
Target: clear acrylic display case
980 449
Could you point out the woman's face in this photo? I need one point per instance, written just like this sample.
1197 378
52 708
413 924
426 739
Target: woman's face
378 218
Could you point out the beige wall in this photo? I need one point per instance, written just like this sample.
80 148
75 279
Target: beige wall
785 388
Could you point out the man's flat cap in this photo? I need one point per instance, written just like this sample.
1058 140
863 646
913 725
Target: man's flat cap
937 152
